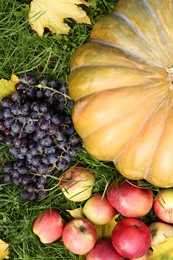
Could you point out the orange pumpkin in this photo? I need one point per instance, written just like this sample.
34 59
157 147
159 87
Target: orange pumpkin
122 85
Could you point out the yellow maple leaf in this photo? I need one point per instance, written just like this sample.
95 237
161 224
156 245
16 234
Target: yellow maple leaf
163 250
51 14
4 250
7 87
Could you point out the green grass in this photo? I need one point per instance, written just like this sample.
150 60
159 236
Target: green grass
22 50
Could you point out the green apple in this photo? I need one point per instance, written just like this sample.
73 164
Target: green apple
77 183
160 231
98 210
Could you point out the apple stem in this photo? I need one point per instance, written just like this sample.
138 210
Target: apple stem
83 229
137 226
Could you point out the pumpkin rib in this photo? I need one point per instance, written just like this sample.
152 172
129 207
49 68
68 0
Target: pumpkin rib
139 33
127 52
150 157
156 19
106 55
88 100
84 84
149 117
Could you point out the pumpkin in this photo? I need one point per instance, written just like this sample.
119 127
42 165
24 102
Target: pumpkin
121 82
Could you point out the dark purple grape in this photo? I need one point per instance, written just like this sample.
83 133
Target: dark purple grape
22 119
25 180
15 174
7 177
43 169
50 150
30 92
29 127
44 108
7 102
23 149
53 84
43 81
7 132
8 140
25 195
42 194
15 110
17 142
1 115
22 170
40 148
32 196
51 130
53 158
48 93
8 122
45 160
28 79
35 106
16 97
47 116
47 141
25 109
20 87
39 94
40 134
40 186
2 126
42 180
44 124
16 128
62 165
2 138
7 168
16 181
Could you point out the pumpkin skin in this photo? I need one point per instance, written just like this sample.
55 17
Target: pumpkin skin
122 85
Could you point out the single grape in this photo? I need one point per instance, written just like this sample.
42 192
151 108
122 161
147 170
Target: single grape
7 102
7 177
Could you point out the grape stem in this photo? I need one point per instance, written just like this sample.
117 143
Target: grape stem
54 90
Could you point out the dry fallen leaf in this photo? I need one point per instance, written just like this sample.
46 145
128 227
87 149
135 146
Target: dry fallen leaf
51 14
4 250
163 250
7 87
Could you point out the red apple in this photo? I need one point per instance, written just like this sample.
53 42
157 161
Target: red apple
160 231
163 205
131 238
48 226
103 250
129 200
98 210
77 183
79 236
144 257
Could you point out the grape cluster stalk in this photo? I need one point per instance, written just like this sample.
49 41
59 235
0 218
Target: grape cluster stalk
36 125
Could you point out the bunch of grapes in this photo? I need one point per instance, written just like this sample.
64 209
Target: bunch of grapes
36 124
